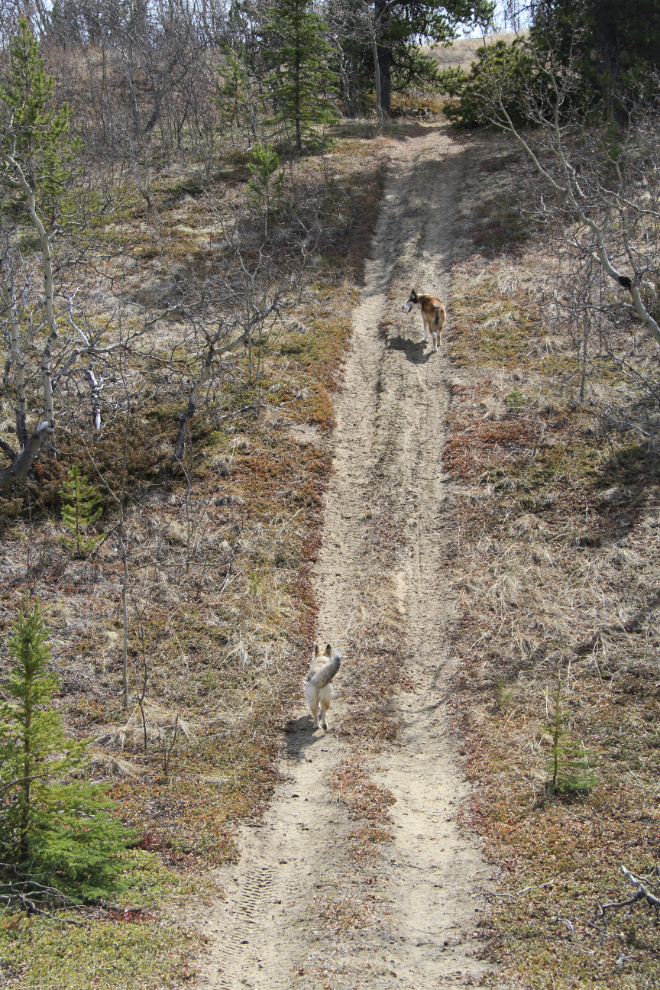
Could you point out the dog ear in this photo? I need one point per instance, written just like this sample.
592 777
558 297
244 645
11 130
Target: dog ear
316 650
328 650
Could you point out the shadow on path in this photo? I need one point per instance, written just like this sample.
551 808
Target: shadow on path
413 349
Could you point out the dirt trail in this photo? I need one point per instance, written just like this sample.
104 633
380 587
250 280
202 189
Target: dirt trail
388 438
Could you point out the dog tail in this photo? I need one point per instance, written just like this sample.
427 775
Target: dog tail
327 671
439 317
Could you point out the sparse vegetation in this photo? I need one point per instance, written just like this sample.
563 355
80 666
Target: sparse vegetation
196 321
557 584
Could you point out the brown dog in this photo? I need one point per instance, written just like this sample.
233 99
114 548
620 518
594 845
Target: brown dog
433 312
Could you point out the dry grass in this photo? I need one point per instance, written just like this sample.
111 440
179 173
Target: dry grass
556 570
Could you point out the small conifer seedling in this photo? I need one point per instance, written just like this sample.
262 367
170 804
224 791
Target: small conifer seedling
80 508
265 185
569 766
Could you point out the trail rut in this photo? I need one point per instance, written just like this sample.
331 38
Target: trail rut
388 439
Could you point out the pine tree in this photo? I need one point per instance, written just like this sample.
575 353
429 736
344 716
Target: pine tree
50 824
80 509
298 54
34 133
569 763
232 89
264 184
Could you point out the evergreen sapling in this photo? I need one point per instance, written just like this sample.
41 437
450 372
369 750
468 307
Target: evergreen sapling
264 184
569 765
53 823
80 509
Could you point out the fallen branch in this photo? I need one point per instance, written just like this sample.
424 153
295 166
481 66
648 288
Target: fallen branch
30 895
642 894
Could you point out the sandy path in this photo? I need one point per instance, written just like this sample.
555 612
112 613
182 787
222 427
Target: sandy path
388 439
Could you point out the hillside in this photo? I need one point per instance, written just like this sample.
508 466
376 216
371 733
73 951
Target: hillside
474 528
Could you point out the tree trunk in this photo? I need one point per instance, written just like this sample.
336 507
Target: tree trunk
298 85
384 61
16 358
605 15
379 102
346 84
22 464
19 468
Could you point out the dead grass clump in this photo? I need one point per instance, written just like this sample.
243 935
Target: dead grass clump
342 914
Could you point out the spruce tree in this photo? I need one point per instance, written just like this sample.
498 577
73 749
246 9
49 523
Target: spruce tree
298 55
569 765
51 824
34 132
264 184
80 509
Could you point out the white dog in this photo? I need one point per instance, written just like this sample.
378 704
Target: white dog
433 312
319 690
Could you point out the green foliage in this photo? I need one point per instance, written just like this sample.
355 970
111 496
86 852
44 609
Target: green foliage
298 56
502 68
514 399
32 131
51 825
264 184
611 47
79 510
503 696
569 765
231 87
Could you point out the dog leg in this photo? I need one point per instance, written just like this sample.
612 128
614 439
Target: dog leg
326 699
312 699
426 329
435 340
